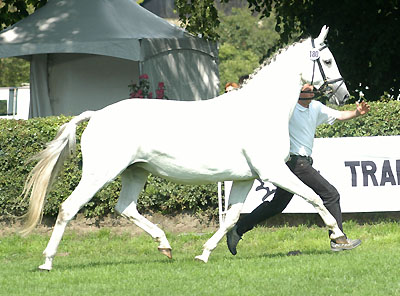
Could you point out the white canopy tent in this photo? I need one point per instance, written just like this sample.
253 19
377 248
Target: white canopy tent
85 53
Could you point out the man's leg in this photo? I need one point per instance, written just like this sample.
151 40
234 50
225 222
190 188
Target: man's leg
328 193
330 197
264 211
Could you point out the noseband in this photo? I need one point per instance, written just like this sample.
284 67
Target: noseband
314 56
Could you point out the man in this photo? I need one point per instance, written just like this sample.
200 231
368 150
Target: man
231 86
308 114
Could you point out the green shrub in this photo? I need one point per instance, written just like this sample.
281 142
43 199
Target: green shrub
20 140
382 120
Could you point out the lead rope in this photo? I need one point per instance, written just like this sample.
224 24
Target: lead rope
313 72
313 69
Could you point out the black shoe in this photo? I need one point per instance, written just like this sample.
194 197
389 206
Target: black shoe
347 244
232 239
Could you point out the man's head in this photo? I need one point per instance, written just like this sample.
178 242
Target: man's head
231 86
306 98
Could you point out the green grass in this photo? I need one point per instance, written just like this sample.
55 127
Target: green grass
105 263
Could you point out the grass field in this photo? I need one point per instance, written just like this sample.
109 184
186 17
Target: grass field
106 263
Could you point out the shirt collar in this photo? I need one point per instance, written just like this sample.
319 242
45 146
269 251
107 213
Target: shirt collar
301 108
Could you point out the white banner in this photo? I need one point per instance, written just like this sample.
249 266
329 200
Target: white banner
365 171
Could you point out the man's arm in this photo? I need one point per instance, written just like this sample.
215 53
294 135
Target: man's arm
362 108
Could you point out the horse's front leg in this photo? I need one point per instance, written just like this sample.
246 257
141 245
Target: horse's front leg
238 195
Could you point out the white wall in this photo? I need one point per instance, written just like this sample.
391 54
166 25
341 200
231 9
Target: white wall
22 99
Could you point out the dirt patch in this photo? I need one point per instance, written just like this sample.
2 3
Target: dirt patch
173 224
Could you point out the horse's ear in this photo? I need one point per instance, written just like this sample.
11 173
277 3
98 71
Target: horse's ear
322 36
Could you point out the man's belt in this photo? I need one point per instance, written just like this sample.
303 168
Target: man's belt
294 157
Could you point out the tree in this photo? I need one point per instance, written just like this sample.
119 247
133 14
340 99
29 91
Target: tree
246 31
363 35
12 11
244 41
14 72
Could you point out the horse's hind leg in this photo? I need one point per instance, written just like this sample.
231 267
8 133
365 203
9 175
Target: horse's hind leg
238 195
133 181
82 194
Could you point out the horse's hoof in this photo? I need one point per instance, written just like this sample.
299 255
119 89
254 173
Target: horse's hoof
44 268
166 251
201 258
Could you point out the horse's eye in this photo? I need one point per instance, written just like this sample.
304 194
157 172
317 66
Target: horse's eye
328 62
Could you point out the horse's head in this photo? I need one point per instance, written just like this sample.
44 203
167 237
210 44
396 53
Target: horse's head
322 71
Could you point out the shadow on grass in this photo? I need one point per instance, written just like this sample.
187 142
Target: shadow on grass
294 253
66 266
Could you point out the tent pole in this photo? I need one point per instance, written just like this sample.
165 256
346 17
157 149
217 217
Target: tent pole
140 68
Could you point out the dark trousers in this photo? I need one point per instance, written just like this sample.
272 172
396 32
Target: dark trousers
302 168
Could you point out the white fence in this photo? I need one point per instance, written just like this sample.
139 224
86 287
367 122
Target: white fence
365 171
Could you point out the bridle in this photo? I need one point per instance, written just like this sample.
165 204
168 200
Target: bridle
314 56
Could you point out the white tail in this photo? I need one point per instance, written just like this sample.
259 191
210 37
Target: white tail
51 159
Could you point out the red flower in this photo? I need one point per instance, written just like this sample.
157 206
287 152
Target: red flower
142 89
160 93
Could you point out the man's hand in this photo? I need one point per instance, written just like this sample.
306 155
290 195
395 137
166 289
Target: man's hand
362 108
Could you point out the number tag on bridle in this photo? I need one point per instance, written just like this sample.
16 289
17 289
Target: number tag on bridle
314 54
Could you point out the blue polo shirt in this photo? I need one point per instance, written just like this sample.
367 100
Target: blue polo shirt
303 124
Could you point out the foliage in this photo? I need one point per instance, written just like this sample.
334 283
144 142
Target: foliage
244 41
382 120
246 32
14 72
20 140
12 11
364 46
362 35
3 108
142 90
199 17
235 63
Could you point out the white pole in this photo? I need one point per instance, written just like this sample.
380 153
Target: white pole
15 102
220 203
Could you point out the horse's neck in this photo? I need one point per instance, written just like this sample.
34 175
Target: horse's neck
278 84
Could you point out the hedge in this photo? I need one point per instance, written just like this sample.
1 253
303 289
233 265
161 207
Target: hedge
21 139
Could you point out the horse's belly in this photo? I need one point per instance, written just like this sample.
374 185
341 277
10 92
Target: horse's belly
195 171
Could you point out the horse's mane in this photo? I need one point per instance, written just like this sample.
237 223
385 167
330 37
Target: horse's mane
269 60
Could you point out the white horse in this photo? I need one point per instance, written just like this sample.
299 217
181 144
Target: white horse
182 141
